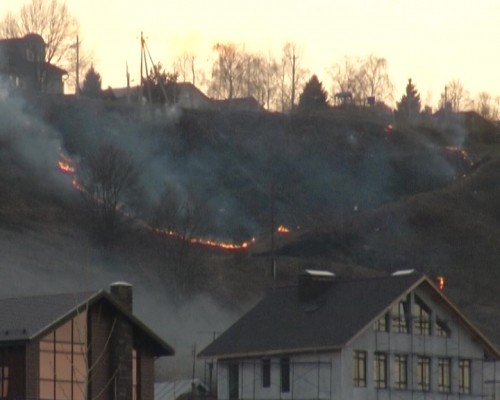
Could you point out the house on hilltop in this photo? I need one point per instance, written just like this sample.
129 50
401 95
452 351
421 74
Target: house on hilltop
189 97
394 337
23 66
77 346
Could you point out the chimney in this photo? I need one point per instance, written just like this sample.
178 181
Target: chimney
122 292
122 343
313 283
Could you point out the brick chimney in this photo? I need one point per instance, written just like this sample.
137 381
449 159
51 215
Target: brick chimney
122 342
313 283
122 292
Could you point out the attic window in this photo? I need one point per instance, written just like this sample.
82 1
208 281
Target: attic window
399 314
422 315
382 325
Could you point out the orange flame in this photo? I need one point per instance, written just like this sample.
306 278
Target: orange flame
282 229
440 282
66 167
206 242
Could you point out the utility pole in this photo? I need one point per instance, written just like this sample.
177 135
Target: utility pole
77 85
273 229
194 362
142 52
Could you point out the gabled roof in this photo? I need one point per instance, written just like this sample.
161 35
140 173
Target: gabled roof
24 319
282 324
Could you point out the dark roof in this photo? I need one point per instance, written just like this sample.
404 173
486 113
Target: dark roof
28 318
282 324
23 318
239 104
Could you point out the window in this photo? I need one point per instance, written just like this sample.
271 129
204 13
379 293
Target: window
5 361
381 324
359 369
380 370
399 320
464 377
400 371
444 375
285 374
266 373
422 321
136 375
442 328
4 381
63 371
423 373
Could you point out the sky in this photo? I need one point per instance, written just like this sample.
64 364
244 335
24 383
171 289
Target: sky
430 41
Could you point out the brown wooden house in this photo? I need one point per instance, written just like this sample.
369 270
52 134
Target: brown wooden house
23 66
77 346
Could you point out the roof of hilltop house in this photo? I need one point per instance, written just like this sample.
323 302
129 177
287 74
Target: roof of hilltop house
287 321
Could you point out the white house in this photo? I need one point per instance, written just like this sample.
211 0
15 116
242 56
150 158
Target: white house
384 338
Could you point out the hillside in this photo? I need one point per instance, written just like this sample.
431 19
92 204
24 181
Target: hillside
358 197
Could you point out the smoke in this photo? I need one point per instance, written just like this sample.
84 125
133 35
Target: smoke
61 258
239 167
28 144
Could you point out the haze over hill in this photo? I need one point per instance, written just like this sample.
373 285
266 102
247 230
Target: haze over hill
358 197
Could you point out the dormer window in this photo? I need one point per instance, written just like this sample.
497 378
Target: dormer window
422 318
399 320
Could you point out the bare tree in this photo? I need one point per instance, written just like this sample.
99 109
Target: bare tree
455 95
181 220
184 67
271 83
487 106
9 27
109 182
225 71
374 80
292 75
347 78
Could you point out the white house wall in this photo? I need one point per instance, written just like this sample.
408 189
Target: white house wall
311 377
458 345
329 375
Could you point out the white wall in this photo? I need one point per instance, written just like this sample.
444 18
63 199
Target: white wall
311 377
328 376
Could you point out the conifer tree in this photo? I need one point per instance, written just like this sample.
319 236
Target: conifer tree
91 86
313 96
409 107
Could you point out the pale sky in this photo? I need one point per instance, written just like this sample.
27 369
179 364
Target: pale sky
431 41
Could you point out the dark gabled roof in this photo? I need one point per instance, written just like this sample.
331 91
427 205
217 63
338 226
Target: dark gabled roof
281 324
23 318
28 318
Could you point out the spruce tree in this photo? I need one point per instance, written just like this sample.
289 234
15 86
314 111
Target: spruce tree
313 96
92 84
408 108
